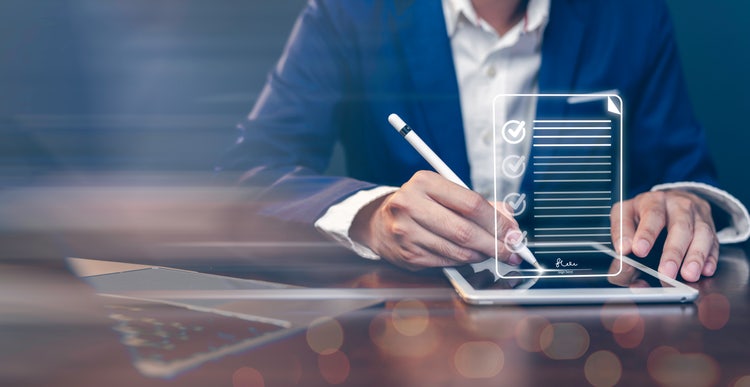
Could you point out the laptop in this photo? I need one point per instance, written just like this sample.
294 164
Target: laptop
173 320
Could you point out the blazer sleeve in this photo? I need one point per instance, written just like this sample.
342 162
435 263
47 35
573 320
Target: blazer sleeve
667 143
285 143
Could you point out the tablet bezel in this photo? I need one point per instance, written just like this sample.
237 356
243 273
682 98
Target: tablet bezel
678 293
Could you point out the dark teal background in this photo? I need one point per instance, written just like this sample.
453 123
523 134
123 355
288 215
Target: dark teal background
158 85
714 40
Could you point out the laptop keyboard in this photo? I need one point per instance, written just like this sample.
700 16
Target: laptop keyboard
163 339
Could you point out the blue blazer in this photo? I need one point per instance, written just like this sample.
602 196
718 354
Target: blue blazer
350 63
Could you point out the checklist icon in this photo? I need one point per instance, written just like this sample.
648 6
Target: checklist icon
516 202
573 175
514 166
514 131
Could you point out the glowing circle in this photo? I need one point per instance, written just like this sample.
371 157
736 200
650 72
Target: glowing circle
393 343
742 382
603 369
410 317
247 377
629 331
669 367
626 323
479 359
611 312
564 341
488 323
713 311
529 331
325 336
334 367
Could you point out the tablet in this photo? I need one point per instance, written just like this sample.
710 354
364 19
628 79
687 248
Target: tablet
630 281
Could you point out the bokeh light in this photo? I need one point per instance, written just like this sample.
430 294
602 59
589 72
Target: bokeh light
529 331
612 311
325 336
713 311
743 381
561 341
603 369
625 323
334 367
489 323
479 359
247 377
657 354
392 342
669 367
410 317
629 330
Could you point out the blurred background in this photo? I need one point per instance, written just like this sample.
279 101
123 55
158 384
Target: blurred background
158 86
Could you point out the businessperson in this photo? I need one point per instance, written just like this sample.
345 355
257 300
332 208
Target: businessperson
349 64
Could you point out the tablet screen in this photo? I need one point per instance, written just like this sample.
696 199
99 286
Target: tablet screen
483 277
583 259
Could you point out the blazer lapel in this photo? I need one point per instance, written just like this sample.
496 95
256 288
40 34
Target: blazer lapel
561 51
427 54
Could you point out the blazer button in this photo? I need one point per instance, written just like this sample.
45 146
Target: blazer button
487 137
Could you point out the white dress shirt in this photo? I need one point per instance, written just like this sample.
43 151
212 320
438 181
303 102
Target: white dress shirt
488 64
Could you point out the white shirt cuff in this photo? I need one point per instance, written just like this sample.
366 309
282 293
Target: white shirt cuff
739 227
337 221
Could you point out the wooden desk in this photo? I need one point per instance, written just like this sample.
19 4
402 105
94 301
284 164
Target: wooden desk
55 331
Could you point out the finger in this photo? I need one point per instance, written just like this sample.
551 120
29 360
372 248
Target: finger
651 210
413 257
622 226
511 246
447 224
698 252
713 259
428 260
679 236
422 261
437 246
464 202
702 211
450 227
508 232
504 215
469 205
416 247
709 268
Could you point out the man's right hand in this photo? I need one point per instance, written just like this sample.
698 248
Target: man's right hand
430 222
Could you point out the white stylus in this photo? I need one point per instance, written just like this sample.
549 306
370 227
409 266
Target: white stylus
429 155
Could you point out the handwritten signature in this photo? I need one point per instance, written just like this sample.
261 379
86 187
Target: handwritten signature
560 263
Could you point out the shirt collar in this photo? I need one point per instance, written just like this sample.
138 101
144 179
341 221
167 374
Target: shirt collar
462 11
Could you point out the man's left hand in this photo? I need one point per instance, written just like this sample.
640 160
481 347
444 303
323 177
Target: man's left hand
691 242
